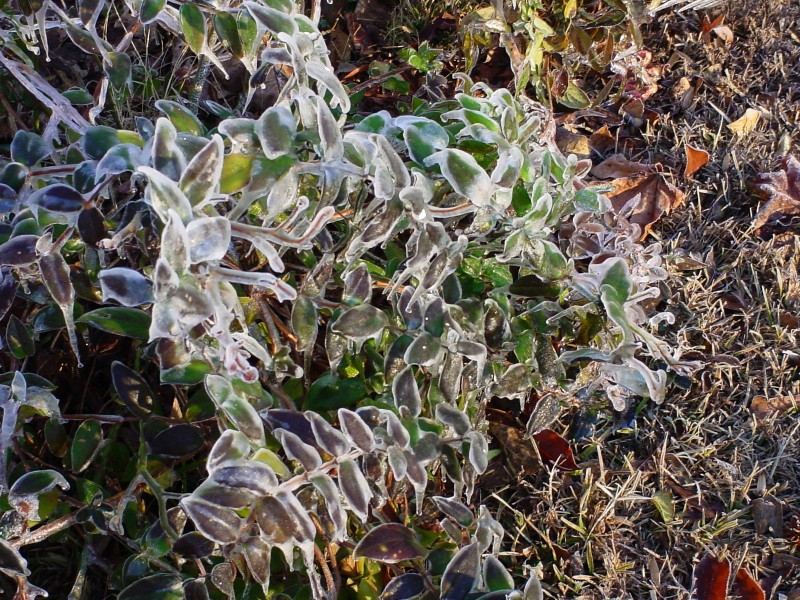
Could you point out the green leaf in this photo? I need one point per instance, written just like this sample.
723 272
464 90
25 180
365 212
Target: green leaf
464 173
235 175
191 373
423 139
329 392
150 10
132 390
228 33
274 20
98 139
495 575
616 285
119 320
304 322
155 587
662 500
85 445
78 96
193 23
28 148
574 97
119 69
548 261
182 118
19 338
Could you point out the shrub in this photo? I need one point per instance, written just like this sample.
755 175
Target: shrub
338 294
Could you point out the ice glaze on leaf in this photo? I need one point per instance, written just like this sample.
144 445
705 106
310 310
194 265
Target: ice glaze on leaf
389 543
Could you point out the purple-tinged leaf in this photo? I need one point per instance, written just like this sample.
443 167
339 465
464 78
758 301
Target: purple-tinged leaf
461 574
220 525
405 391
356 429
354 488
389 543
298 450
330 439
126 286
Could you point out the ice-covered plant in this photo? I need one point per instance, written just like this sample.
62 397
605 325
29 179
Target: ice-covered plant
347 292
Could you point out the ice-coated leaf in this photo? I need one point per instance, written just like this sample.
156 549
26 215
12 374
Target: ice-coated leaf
119 320
424 351
193 545
163 586
423 137
327 80
182 118
193 24
250 475
495 576
533 588
357 286
126 286
297 449
58 199
356 429
217 494
201 177
390 543
28 148
24 494
461 573
119 159
274 20
86 444
397 432
150 10
166 155
165 195
19 338
98 140
547 260
496 328
195 589
228 33
132 390
454 509
276 130
478 451
452 417
275 521
398 462
361 322
118 68
330 439
354 488
231 446
209 238
407 586
257 557
177 442
91 226
240 412
19 251
450 377
406 393
328 490
410 312
11 561
464 173
236 172
304 322
220 525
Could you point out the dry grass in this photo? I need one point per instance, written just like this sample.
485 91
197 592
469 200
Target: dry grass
704 452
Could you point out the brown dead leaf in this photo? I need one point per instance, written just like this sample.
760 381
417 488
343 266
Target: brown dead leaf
570 142
644 198
747 588
767 514
711 578
520 454
617 166
763 408
746 124
696 159
555 450
716 27
781 190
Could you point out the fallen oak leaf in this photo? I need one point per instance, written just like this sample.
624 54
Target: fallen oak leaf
711 578
644 198
555 450
746 124
696 159
617 166
781 189
763 408
746 588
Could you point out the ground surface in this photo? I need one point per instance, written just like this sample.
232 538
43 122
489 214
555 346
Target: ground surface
717 455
